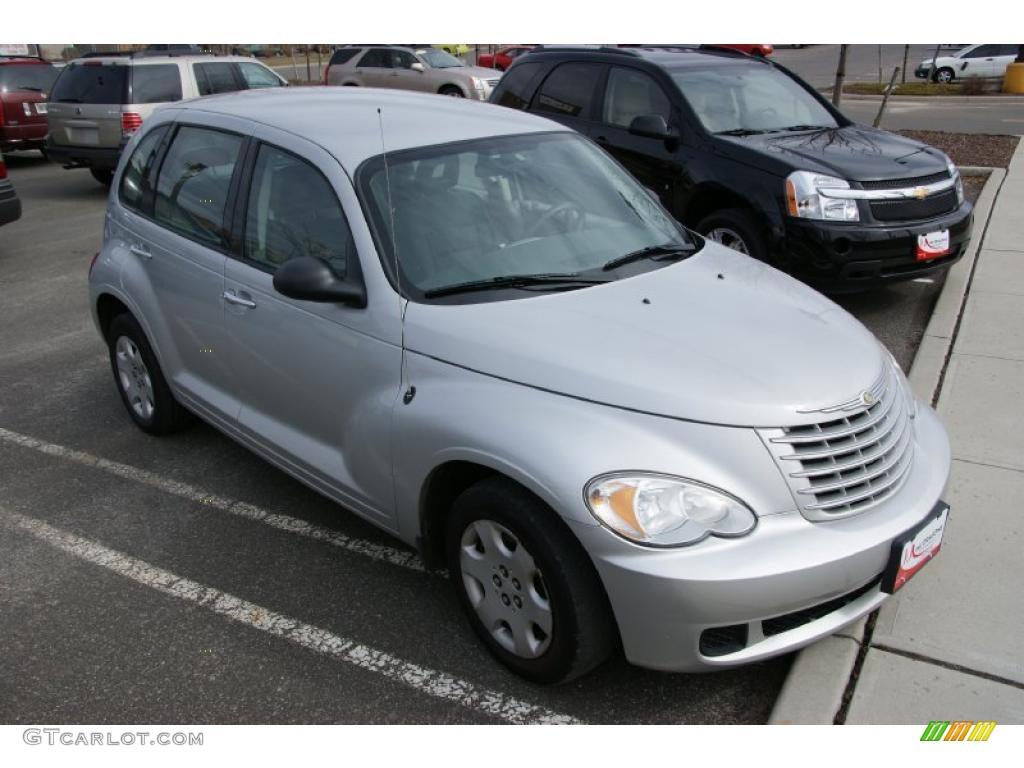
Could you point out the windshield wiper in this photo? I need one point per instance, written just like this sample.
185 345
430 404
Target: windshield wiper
513 281
650 252
741 132
803 127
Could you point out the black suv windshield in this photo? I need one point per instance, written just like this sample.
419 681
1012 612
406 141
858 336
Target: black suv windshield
742 98
544 211
27 77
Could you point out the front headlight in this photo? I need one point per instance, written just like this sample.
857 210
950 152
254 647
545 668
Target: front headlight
804 200
665 511
955 173
478 83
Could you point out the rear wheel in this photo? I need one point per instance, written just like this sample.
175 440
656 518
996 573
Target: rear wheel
737 229
451 90
140 381
527 586
104 177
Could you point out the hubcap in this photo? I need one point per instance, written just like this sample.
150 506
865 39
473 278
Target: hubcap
506 588
730 238
133 377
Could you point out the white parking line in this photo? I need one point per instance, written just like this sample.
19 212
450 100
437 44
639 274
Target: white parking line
392 555
423 679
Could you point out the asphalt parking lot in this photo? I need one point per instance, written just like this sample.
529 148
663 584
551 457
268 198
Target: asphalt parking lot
229 592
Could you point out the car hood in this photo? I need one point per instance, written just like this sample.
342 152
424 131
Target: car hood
853 152
716 338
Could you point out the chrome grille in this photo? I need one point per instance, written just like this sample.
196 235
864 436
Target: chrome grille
912 210
492 82
858 457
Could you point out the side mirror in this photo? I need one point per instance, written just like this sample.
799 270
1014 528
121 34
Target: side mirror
652 127
311 279
417 67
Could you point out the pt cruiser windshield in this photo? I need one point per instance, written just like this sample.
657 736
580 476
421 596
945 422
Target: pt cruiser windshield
530 212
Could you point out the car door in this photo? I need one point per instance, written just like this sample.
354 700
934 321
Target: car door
402 75
980 62
568 94
179 242
630 93
318 380
1007 55
374 68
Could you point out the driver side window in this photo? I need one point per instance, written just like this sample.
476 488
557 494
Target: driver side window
293 211
631 93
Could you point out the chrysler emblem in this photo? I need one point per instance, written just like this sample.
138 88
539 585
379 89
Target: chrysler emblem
867 398
921 193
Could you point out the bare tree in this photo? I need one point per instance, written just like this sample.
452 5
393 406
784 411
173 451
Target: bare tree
906 55
931 67
837 89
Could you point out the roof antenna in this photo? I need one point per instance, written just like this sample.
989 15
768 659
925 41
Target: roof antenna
403 304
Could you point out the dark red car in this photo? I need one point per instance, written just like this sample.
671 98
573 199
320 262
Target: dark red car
502 58
25 84
752 49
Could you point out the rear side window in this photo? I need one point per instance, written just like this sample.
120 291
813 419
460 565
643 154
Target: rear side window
293 211
983 51
343 55
514 83
155 83
216 77
29 77
569 90
92 83
376 57
631 93
257 76
136 184
192 189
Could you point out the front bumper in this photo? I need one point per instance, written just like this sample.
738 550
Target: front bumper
855 256
787 570
100 158
10 205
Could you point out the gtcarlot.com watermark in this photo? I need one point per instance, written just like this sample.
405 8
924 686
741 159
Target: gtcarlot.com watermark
74 738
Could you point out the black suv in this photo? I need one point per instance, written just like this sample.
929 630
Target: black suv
744 152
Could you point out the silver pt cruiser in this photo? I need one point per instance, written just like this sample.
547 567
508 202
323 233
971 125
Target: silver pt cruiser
474 329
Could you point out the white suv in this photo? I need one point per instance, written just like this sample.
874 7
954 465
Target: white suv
987 60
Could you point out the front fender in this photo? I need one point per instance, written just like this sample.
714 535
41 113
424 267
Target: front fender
553 444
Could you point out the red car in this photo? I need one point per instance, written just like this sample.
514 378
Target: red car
755 49
25 83
502 58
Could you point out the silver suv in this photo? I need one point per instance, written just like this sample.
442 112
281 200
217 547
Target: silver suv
99 101
495 344
430 70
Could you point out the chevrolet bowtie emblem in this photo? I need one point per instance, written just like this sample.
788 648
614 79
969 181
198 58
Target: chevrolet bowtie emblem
921 193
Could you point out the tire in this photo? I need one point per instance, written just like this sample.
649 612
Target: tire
538 562
104 177
140 381
943 75
452 90
737 229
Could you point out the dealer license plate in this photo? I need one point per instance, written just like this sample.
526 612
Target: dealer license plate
911 551
932 245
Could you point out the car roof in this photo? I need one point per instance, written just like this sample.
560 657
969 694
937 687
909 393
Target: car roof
344 121
667 56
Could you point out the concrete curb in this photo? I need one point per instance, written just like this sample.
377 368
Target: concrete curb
814 688
896 98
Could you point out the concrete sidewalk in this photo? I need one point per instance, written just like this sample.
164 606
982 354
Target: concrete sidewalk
950 645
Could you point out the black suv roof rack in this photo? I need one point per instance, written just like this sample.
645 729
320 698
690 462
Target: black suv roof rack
582 49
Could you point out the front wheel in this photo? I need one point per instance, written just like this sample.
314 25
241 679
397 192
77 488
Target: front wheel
104 177
944 75
451 90
737 229
527 586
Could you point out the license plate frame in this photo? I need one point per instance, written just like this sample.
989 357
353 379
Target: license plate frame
915 548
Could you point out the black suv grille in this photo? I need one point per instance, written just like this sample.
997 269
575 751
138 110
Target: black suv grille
911 210
920 181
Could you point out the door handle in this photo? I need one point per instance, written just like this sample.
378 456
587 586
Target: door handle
233 298
140 252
